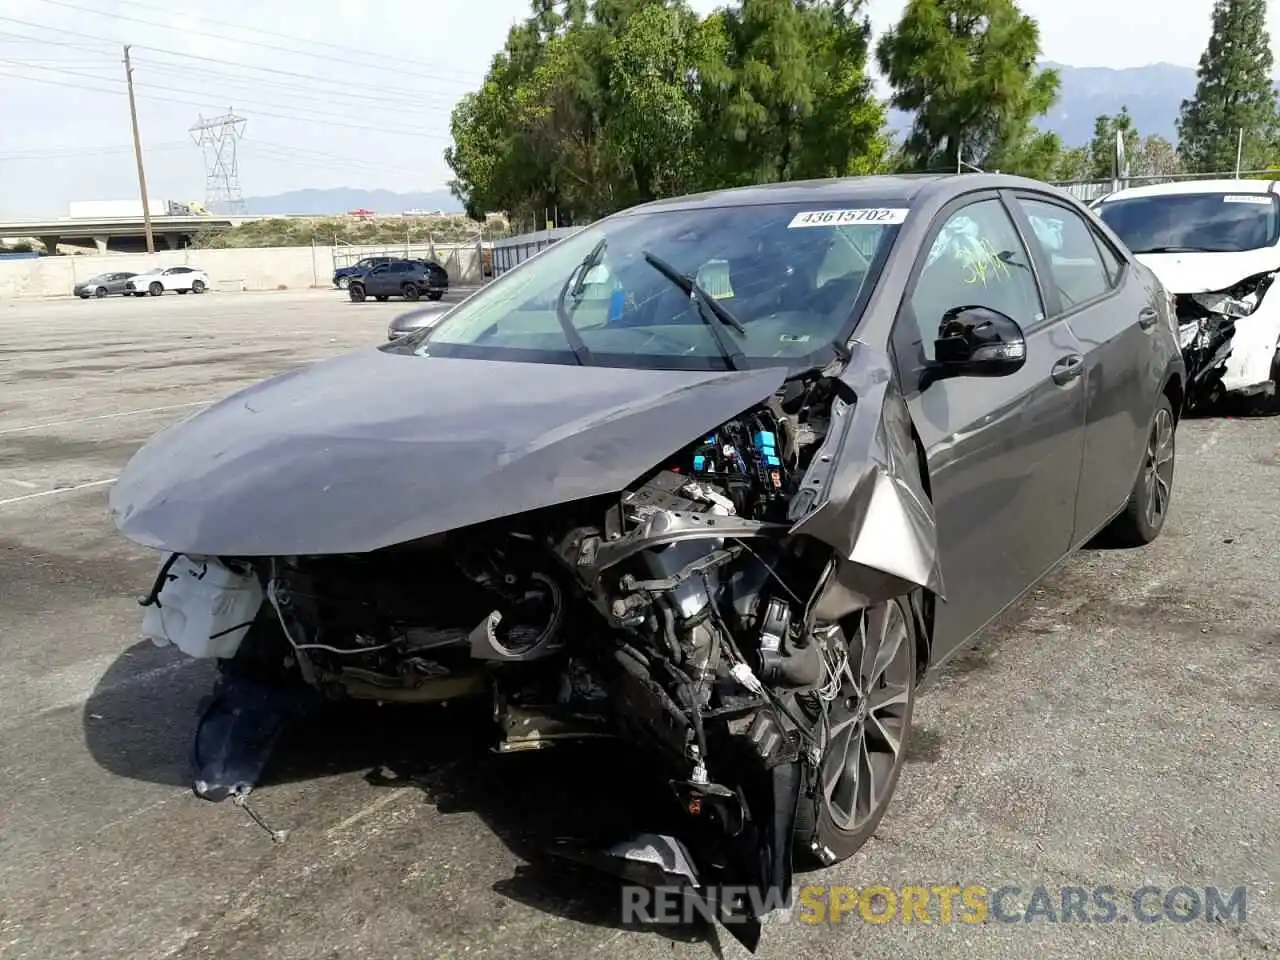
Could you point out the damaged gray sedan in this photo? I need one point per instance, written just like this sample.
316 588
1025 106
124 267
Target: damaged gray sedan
726 477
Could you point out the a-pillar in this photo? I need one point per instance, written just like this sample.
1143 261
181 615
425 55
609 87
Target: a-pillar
51 244
100 243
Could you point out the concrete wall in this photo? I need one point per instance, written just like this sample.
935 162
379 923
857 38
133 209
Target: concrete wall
264 268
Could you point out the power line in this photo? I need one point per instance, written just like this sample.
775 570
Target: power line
346 51
307 116
23 38
326 99
252 43
55 153
185 57
326 103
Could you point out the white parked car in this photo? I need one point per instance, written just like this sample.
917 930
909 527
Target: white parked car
1215 246
180 279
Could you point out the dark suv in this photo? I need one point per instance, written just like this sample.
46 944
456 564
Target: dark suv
342 276
410 279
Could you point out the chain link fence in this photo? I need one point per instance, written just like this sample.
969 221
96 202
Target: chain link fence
1087 191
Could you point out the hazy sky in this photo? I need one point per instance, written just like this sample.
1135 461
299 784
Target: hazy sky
368 103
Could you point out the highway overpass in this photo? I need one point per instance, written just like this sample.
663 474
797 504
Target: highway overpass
108 234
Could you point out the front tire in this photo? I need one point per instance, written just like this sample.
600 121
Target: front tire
155 289
863 737
356 292
1144 516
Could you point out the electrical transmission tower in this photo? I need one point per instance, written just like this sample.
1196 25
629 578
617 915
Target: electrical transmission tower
218 139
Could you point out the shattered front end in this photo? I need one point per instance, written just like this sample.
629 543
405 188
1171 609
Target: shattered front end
711 613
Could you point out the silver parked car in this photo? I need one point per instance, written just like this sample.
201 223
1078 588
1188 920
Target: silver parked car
104 284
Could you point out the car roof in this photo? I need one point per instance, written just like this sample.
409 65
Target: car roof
897 188
1192 186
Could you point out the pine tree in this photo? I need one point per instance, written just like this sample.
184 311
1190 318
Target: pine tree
967 70
1234 92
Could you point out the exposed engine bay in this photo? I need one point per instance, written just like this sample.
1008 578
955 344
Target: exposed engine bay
682 615
1229 346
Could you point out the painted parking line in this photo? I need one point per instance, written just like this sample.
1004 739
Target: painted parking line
50 493
104 416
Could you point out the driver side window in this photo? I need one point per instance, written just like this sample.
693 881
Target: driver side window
977 259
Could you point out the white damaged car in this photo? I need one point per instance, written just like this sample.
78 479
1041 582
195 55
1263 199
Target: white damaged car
1215 245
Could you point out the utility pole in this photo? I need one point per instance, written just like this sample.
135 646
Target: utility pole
137 152
1239 150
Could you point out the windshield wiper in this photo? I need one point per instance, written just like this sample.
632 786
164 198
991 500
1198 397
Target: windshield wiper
713 313
589 263
576 344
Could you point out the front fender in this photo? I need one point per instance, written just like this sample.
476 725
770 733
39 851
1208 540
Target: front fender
864 494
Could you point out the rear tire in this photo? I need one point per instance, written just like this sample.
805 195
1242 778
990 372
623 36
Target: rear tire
155 289
833 823
1144 516
356 292
434 294
198 287
409 291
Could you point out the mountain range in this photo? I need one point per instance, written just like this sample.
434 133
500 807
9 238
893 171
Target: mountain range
1152 93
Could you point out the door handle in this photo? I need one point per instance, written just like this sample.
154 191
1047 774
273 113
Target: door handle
1147 317
1067 369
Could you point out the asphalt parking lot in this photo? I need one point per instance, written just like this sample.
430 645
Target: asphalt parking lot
1121 727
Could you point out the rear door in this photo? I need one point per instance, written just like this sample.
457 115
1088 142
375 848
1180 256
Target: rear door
375 281
1110 312
1004 453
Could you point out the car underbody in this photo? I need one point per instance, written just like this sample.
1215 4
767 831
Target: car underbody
748 611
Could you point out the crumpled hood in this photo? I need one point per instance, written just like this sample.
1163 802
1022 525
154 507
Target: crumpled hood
1209 272
375 448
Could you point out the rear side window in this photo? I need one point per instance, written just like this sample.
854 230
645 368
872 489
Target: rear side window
1113 264
1074 259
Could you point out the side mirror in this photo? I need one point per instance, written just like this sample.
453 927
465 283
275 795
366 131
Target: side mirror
977 342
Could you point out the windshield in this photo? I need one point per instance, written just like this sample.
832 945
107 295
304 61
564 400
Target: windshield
1194 222
787 281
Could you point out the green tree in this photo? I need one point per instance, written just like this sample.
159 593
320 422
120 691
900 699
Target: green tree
1234 92
1102 148
1157 157
967 70
1073 164
594 107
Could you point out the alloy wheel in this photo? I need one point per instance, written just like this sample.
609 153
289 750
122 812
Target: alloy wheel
866 722
1158 467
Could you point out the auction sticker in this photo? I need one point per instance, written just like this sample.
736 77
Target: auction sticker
1259 198
840 218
